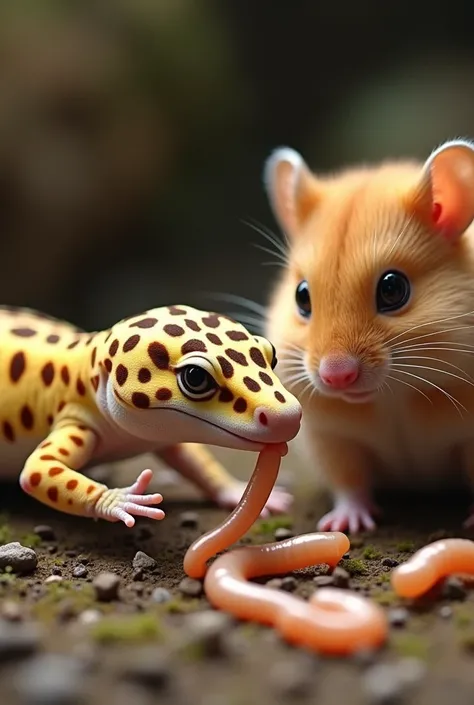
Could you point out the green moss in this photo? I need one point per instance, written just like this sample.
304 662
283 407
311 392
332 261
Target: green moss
30 540
405 546
140 627
462 616
384 597
354 566
371 553
81 598
178 606
385 577
466 642
5 534
411 645
269 526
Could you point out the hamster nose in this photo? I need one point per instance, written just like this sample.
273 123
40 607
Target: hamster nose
278 426
339 371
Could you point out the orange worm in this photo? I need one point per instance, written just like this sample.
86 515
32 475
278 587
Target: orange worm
334 621
432 563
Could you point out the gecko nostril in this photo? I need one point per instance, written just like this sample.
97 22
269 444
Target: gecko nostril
262 417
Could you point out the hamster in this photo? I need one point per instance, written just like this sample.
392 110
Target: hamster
373 322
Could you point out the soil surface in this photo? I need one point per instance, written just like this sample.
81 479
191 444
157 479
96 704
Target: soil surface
147 639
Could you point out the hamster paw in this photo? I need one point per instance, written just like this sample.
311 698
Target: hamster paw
279 501
349 513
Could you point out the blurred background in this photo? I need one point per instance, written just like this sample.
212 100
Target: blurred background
133 133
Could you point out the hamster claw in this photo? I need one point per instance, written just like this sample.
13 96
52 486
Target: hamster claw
349 514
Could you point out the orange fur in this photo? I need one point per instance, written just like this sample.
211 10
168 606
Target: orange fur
363 222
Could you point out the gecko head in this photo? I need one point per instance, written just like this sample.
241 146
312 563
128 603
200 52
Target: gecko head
182 375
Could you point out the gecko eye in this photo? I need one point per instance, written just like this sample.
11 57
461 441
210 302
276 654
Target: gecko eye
303 299
196 383
393 291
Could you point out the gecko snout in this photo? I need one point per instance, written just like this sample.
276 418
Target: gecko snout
278 426
338 370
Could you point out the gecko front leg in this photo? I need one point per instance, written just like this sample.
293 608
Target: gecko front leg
51 476
197 465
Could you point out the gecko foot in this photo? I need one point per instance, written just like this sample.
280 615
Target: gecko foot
123 503
279 501
350 513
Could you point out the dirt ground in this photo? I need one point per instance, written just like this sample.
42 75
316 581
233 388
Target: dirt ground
135 648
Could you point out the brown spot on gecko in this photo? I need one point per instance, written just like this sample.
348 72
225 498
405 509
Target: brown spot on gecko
63 451
61 405
213 338
47 373
192 325
159 355
77 440
95 382
108 365
23 332
8 431
140 400
49 457
176 311
163 394
53 338
26 416
35 479
71 485
257 357
107 337
266 379
113 347
49 419
236 335
52 494
240 405
280 397
131 343
225 395
144 375
90 489
211 321
193 345
52 472
81 387
237 356
45 444
65 374
252 384
173 330
121 374
17 366
226 366
72 345
144 323
93 356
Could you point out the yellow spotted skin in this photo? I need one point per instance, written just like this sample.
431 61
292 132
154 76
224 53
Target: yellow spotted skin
164 381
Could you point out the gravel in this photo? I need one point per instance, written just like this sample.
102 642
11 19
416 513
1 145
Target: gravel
51 679
390 562
323 580
80 571
106 586
281 534
208 629
161 595
385 684
454 589
398 616
18 640
142 561
340 577
189 520
148 666
293 678
20 558
45 532
191 587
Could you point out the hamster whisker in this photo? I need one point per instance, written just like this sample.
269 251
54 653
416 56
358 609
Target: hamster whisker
292 346
433 359
427 335
434 369
295 378
412 386
400 235
452 399
444 343
269 235
253 306
431 323
283 261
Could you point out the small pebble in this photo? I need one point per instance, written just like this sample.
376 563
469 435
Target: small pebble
45 532
274 583
161 595
71 553
323 580
90 616
56 571
18 640
52 549
53 579
12 611
281 534
390 562
398 616
80 571
191 587
66 610
454 589
292 679
346 556
149 667
189 520
138 575
289 584
142 561
365 657
106 586
208 629
383 685
51 679
340 577
446 611
18 557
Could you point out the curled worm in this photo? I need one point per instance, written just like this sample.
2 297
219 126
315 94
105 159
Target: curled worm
432 563
333 621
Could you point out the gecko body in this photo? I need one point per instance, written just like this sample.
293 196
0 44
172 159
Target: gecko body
164 381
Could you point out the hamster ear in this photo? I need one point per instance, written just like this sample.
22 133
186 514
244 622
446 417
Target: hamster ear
445 196
292 189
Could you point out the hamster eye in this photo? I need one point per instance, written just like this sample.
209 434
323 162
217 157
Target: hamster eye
393 291
274 361
196 383
303 299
